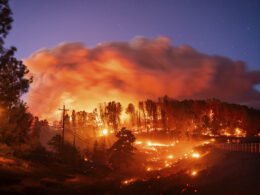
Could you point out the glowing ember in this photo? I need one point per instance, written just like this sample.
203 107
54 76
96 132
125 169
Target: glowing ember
128 181
239 133
105 131
170 156
156 144
193 173
154 149
138 142
195 155
148 169
166 164
85 159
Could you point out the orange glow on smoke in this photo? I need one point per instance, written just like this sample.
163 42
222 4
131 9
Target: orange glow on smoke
81 77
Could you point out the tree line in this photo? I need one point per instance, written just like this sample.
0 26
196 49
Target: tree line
195 117
179 118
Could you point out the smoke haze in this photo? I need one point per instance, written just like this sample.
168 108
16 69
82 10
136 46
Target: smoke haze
82 77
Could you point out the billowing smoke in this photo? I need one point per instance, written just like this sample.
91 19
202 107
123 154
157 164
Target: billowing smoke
82 77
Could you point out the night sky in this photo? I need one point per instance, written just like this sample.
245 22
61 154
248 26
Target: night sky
217 27
230 28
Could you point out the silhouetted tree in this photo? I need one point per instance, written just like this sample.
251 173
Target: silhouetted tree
113 111
102 113
37 126
73 124
149 111
138 119
92 121
141 107
12 71
15 126
15 121
122 150
55 143
73 118
99 153
66 153
131 111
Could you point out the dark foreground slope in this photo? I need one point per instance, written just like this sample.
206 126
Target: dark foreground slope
217 172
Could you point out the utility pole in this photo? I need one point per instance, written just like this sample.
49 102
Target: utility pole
73 117
63 124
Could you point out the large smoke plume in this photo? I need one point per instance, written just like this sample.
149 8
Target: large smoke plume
82 77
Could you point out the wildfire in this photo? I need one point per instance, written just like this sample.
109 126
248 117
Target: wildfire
167 164
195 155
105 131
193 173
157 144
164 155
154 149
239 133
128 181
138 142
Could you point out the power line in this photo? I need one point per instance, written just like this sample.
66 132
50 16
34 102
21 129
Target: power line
73 133
77 135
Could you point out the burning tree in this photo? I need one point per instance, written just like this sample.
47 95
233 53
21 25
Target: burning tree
113 111
131 111
122 150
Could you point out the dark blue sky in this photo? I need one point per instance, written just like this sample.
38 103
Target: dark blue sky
224 27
